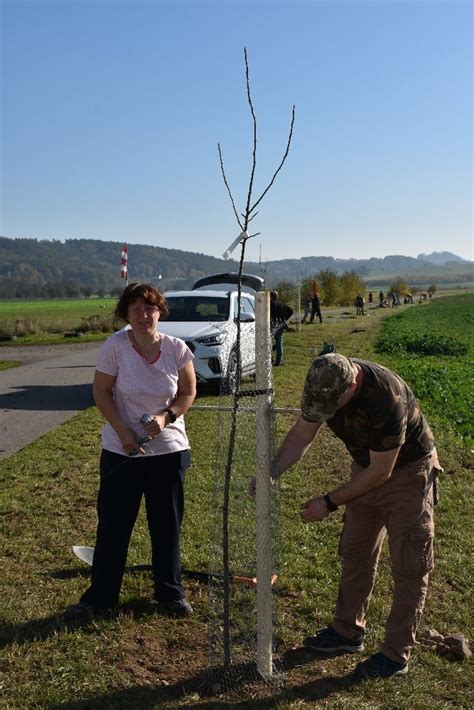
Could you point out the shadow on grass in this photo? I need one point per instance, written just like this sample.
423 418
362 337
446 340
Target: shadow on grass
40 629
195 691
69 573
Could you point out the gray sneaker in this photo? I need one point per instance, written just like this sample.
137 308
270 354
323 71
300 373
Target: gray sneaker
329 641
380 666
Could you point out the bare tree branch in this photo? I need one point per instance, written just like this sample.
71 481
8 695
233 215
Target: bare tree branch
254 151
228 188
250 218
279 167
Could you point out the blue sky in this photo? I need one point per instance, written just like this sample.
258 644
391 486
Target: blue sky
111 114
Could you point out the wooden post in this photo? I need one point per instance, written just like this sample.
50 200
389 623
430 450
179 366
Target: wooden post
263 360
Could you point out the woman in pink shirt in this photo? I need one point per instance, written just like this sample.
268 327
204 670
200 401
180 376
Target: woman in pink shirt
140 371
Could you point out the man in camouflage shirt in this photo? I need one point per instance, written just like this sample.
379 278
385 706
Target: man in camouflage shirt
391 490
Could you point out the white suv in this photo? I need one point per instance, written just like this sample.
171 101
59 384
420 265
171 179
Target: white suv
207 321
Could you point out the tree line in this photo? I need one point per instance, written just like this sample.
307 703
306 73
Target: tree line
32 268
341 289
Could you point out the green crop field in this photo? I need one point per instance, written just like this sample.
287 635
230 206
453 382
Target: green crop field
143 660
433 348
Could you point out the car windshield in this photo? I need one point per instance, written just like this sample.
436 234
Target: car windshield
197 308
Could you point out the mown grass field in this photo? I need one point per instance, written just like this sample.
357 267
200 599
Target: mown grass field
47 311
51 318
144 660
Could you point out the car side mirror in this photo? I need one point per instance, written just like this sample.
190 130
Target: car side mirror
246 318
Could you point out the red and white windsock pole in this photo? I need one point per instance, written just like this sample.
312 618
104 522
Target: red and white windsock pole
124 264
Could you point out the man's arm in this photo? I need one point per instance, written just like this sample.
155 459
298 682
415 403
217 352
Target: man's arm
295 445
377 472
293 448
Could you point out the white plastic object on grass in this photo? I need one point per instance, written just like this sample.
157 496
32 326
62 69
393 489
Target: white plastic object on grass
85 554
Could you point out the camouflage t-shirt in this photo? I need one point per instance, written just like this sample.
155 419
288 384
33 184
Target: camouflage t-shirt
382 416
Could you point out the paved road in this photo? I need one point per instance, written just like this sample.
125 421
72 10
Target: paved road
52 385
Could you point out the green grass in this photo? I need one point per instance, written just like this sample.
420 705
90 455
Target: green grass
7 364
443 384
48 319
143 660
50 309
55 339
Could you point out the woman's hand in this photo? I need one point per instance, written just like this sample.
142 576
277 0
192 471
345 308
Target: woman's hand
157 425
128 441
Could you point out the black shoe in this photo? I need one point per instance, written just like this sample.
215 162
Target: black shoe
84 612
329 641
80 612
380 666
178 607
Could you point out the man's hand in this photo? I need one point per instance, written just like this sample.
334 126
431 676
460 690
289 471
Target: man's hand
314 510
252 487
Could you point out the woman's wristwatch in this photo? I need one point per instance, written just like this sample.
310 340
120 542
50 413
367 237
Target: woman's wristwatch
171 414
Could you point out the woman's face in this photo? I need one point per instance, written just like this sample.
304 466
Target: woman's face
143 317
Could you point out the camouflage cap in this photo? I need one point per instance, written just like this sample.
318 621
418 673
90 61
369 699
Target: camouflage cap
328 378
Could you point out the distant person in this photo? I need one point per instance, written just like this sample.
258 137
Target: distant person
394 299
381 299
316 308
280 313
306 309
359 303
371 298
140 371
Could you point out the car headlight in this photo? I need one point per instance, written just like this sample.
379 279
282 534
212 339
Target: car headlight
216 339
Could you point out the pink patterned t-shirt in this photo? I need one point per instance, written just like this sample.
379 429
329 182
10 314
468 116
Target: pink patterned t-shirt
144 388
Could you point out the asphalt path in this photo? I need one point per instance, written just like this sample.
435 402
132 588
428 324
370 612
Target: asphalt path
52 384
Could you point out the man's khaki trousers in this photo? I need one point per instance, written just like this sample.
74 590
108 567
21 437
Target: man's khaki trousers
402 508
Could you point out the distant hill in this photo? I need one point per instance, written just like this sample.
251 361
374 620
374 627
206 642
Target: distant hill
51 268
439 257
380 270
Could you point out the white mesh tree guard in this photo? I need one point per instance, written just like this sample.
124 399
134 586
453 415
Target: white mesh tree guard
243 548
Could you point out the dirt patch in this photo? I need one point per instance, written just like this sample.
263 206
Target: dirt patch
172 662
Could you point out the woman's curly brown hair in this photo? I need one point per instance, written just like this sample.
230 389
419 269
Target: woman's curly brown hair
150 295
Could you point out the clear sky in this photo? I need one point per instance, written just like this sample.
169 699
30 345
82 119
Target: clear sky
112 110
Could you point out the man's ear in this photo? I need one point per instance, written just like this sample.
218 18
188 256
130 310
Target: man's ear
353 385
